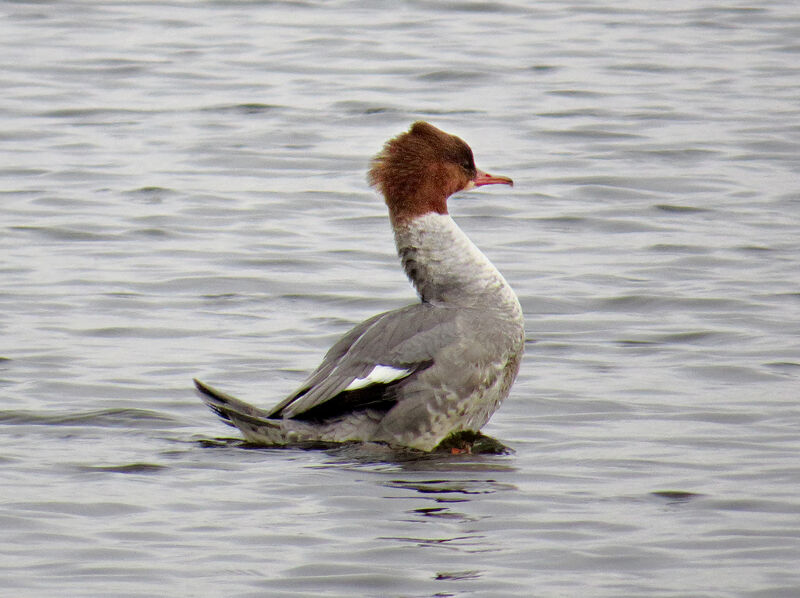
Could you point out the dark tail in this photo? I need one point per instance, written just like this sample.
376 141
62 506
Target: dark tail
231 409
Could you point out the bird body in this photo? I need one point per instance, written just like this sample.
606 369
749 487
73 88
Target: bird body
413 376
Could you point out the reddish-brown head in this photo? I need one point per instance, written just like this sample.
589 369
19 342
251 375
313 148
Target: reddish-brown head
418 170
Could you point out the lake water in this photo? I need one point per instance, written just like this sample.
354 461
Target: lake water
183 194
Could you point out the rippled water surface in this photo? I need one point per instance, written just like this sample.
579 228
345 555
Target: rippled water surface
183 194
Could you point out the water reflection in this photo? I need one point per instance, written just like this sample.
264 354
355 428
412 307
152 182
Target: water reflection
379 457
454 487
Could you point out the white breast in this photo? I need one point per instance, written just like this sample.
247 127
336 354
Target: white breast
446 267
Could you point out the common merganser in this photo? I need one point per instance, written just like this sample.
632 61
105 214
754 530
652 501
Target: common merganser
413 376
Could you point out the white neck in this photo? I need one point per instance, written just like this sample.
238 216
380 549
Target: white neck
447 268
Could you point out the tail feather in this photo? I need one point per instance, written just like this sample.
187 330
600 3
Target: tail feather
230 409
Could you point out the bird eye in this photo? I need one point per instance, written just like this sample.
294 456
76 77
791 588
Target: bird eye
463 157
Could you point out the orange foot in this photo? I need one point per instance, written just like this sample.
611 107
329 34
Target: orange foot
466 449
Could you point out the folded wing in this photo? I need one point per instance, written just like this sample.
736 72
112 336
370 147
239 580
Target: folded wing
368 366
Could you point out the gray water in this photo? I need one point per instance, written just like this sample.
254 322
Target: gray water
183 194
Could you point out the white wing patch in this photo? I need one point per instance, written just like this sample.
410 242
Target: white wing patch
380 374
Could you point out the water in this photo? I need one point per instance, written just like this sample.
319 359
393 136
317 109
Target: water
183 195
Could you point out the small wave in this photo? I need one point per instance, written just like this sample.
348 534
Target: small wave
675 496
130 468
452 76
452 487
56 233
104 418
244 108
679 209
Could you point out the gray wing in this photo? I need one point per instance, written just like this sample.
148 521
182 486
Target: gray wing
406 339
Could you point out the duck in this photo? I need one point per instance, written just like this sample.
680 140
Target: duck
411 377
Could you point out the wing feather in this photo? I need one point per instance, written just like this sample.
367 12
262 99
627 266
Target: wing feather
404 339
